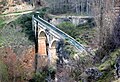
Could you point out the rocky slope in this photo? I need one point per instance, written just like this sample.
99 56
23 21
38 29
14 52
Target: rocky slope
8 6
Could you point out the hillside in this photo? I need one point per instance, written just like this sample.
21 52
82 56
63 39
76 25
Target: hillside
16 45
10 6
19 51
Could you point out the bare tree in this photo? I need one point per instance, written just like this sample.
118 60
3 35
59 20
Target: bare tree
105 17
70 6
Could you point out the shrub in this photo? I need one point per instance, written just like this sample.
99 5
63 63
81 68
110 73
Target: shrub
40 76
3 72
68 28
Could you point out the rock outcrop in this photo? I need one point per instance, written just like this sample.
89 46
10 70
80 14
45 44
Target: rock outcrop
9 6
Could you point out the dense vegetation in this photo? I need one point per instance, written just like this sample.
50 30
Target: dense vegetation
17 33
83 34
104 38
15 38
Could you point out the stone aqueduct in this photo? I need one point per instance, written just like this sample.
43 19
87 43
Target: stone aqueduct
45 45
46 37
